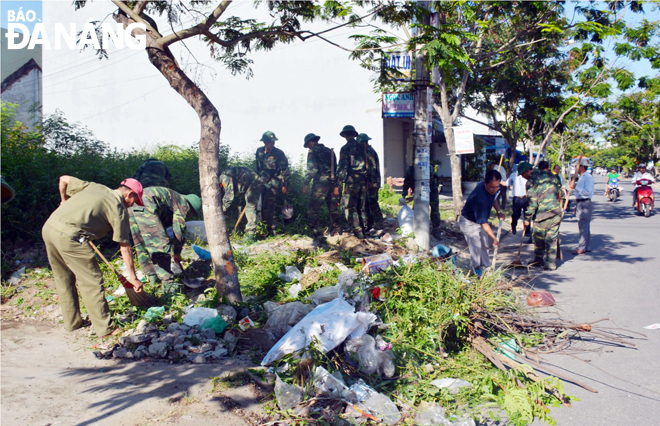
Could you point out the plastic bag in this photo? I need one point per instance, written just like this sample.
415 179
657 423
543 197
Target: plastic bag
295 289
288 396
347 278
379 262
330 324
442 252
196 316
325 294
406 218
203 254
290 274
540 298
431 414
282 317
196 230
374 403
327 384
370 359
154 313
454 385
216 324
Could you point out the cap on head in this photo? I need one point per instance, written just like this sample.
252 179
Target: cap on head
524 166
136 187
642 166
348 132
311 137
268 136
195 202
363 137
585 162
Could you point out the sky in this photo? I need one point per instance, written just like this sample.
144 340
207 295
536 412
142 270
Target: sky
301 88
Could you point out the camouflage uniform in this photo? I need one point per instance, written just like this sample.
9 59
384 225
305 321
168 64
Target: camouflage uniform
153 173
544 207
352 171
163 208
374 215
241 182
321 164
273 169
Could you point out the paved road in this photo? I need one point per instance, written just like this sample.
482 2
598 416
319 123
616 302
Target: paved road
620 280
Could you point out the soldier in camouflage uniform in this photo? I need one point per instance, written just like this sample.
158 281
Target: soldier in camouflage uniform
273 170
153 173
241 182
544 207
321 166
374 215
163 208
352 172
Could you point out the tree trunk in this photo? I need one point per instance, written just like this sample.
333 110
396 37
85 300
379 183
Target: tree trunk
454 161
226 273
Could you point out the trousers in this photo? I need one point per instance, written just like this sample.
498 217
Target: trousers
477 241
584 211
74 263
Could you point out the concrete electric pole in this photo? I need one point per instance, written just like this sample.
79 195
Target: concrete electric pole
422 141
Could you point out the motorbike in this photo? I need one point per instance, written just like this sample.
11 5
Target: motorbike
645 197
614 189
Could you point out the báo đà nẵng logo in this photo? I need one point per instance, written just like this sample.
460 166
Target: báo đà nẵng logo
23 32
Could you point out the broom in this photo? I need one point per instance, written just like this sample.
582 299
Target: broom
499 232
142 299
517 261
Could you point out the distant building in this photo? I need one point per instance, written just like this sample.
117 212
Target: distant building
22 81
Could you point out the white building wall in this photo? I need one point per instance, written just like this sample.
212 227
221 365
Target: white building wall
26 92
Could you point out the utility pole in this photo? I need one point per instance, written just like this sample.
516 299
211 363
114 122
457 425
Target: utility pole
422 142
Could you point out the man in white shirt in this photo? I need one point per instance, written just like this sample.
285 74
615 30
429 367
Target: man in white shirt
584 192
641 174
518 182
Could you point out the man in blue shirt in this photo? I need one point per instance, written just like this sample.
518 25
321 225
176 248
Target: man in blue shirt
474 219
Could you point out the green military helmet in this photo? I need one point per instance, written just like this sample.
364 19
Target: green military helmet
523 167
348 131
195 202
311 138
363 137
268 136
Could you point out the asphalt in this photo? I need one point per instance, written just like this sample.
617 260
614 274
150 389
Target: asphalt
618 280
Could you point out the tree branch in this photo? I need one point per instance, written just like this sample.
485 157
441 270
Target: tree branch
134 16
140 6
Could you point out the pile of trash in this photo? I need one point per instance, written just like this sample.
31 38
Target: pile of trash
197 340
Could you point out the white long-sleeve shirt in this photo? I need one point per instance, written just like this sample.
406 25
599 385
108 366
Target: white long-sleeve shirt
518 185
584 187
645 175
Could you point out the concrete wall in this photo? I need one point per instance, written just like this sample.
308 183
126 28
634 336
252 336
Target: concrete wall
27 93
397 146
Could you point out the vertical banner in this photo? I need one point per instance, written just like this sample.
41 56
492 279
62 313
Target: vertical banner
464 140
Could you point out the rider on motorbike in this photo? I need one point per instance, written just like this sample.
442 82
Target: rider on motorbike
611 175
641 174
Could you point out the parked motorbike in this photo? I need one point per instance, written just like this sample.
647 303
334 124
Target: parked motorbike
645 197
614 189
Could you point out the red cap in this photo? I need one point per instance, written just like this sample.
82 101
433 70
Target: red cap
136 187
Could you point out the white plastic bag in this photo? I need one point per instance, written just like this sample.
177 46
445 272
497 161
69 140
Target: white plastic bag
374 403
406 218
282 317
325 294
371 360
196 316
196 230
330 323
288 396
290 274
327 384
453 385
429 414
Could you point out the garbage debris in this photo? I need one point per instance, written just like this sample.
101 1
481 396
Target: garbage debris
406 218
196 316
330 323
429 414
540 298
442 252
203 254
217 324
196 231
193 282
387 238
17 276
282 317
326 384
347 278
295 289
655 326
154 313
176 268
290 274
245 323
366 399
325 294
287 396
371 359
454 385
509 348
377 263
